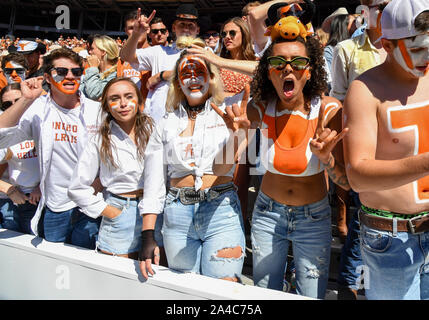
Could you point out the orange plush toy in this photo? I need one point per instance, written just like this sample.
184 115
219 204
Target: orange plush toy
290 21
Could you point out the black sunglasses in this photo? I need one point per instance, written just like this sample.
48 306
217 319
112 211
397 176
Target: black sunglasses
7 104
211 34
155 31
63 72
10 70
232 33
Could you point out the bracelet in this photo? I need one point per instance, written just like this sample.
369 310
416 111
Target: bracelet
161 74
328 164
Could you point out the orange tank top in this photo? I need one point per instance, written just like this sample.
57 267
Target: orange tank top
298 130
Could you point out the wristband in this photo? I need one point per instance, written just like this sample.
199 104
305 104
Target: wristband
148 244
161 76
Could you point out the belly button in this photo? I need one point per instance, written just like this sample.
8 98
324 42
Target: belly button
395 140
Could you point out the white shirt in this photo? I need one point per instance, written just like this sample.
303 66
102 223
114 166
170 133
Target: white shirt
127 177
66 130
36 124
5 175
163 153
156 59
23 167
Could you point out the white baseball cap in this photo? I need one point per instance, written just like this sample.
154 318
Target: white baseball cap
397 19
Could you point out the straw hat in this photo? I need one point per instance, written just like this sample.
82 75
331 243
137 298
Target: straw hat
326 25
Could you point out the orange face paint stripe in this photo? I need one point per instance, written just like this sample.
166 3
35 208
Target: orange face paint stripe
405 55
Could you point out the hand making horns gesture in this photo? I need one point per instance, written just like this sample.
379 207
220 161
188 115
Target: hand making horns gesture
325 139
142 23
235 117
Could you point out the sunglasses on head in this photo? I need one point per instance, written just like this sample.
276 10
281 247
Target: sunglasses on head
211 34
298 63
155 31
9 71
7 104
231 33
63 72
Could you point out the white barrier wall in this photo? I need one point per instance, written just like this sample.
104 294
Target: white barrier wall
31 268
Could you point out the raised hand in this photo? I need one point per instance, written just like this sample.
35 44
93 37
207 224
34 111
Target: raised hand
32 88
142 23
235 116
204 53
325 139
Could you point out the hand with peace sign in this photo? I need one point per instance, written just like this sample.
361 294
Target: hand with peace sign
142 23
235 117
325 139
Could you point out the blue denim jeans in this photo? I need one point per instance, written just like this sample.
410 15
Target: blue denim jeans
349 269
9 216
308 227
194 234
25 213
122 234
396 264
71 226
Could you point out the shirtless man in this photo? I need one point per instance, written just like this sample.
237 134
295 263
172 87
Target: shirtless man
387 159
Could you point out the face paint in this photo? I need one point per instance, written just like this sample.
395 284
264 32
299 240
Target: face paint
14 72
116 104
193 77
413 56
60 81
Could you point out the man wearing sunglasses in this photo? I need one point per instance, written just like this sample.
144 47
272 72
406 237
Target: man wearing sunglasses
60 123
158 32
160 60
15 67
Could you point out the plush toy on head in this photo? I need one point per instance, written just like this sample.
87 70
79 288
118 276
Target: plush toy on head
290 21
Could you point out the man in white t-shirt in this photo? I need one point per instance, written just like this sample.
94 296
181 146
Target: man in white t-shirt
159 59
60 124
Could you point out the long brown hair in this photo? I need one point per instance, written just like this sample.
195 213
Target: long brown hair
143 124
246 41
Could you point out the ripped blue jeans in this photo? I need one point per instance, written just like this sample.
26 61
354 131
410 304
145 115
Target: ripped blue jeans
308 227
196 234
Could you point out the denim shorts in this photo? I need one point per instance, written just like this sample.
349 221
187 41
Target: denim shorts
122 234
396 266
308 227
194 234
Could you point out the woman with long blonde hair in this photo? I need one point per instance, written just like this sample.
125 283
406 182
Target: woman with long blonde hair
102 62
202 225
116 155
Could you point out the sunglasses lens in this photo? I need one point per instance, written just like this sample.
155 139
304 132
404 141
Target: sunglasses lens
232 33
62 72
277 62
223 34
299 63
77 72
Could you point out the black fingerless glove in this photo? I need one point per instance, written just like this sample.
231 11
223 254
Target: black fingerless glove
148 245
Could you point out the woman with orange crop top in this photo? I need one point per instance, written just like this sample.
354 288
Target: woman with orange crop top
300 131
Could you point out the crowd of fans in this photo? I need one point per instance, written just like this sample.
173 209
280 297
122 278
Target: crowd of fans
146 148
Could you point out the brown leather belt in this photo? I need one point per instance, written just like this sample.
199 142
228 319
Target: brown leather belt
414 225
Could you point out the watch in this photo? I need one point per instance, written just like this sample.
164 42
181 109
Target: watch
161 75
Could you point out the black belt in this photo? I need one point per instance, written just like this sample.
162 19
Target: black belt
188 195
125 198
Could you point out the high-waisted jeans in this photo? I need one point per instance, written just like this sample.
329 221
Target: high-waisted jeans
308 227
195 234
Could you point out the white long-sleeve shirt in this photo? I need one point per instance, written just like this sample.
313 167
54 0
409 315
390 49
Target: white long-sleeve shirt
36 124
163 155
127 177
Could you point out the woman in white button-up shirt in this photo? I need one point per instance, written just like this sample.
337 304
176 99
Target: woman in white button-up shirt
202 222
116 155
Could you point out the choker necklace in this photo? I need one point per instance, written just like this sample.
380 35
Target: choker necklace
194 110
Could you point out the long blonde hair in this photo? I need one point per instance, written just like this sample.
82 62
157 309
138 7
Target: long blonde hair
175 94
111 48
143 128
